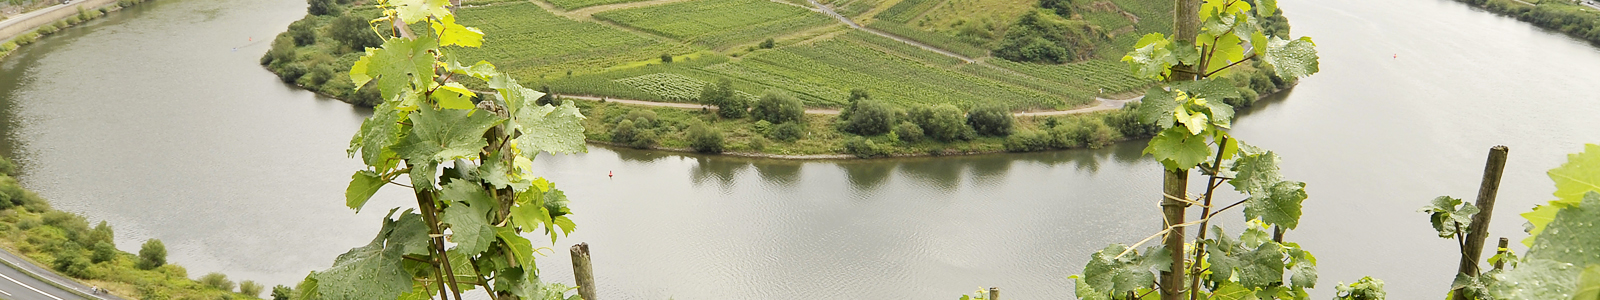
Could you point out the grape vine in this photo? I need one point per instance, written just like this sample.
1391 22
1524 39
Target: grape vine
468 160
1258 263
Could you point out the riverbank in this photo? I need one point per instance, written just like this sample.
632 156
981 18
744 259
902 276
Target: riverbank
1578 20
25 29
65 243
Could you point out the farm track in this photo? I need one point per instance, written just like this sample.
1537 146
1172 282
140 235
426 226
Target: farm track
829 11
1105 105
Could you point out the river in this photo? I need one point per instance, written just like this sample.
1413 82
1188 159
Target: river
160 121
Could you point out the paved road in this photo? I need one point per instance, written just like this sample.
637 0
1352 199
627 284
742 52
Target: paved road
18 18
1105 104
16 285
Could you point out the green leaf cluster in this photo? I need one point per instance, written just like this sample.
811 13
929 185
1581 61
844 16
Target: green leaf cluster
1256 264
1117 272
1563 257
1229 35
468 159
1450 216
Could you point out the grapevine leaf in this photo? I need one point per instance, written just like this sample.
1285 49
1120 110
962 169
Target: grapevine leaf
1258 43
1579 175
1447 219
1536 279
1150 57
400 63
1227 50
410 234
556 129
1221 113
1470 286
362 185
439 135
1107 272
521 248
1176 149
1280 205
496 173
1208 89
412 11
1184 53
1195 122
1292 59
1222 7
422 174
1589 284
1156 107
1084 291
556 202
1244 26
368 272
467 192
1255 172
1266 7
1262 267
358 71
453 95
307 289
1231 291
377 134
1303 276
451 33
529 213
471 233
1570 238
566 226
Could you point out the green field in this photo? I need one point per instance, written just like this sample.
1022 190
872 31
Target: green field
718 23
525 40
576 4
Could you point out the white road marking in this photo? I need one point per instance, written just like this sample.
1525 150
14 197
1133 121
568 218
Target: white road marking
4 292
29 287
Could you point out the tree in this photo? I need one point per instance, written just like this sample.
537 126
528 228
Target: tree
217 281
1044 37
250 288
468 159
942 122
302 33
991 120
281 292
721 96
856 95
103 252
322 7
870 118
152 254
1061 7
778 108
788 132
353 32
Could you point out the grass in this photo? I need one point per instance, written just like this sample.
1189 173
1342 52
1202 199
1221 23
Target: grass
1112 76
576 4
528 42
906 10
935 39
901 49
718 23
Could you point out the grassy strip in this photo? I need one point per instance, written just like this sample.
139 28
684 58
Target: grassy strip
576 4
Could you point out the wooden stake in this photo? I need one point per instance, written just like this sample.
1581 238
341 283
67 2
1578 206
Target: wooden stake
1501 264
1479 230
994 293
1176 183
583 271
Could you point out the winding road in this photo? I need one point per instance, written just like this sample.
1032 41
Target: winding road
1105 104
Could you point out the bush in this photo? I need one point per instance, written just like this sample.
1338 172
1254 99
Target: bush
705 139
71 263
991 120
666 57
864 148
768 44
758 143
47 29
290 73
250 288
6 167
870 117
787 132
942 122
856 95
1044 37
152 254
302 32
103 252
322 7
1127 123
217 281
281 53
629 134
1089 133
642 118
721 96
26 38
281 292
8 46
73 225
908 132
778 108
1029 140
353 32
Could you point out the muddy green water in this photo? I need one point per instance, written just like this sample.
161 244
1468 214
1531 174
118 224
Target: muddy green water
160 121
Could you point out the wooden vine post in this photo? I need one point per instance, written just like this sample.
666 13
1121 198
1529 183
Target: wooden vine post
1175 183
583 271
1479 230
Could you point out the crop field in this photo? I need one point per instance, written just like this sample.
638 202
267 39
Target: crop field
671 86
529 42
576 4
1154 16
999 13
821 73
1113 76
718 23
901 49
935 39
853 7
904 11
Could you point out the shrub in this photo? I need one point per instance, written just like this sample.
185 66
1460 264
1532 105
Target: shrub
291 72
870 118
1029 140
721 96
787 132
758 143
778 108
1089 133
864 148
908 132
281 53
71 263
281 292
623 132
768 44
302 32
643 139
942 122
152 254
762 127
103 252
217 281
856 95
642 118
991 120
666 57
26 38
6 167
1044 37
322 7
705 139
8 46
353 32
47 29
75 227
1127 123
250 288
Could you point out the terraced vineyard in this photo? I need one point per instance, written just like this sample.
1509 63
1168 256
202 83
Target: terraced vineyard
718 23
576 4
530 42
1112 76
